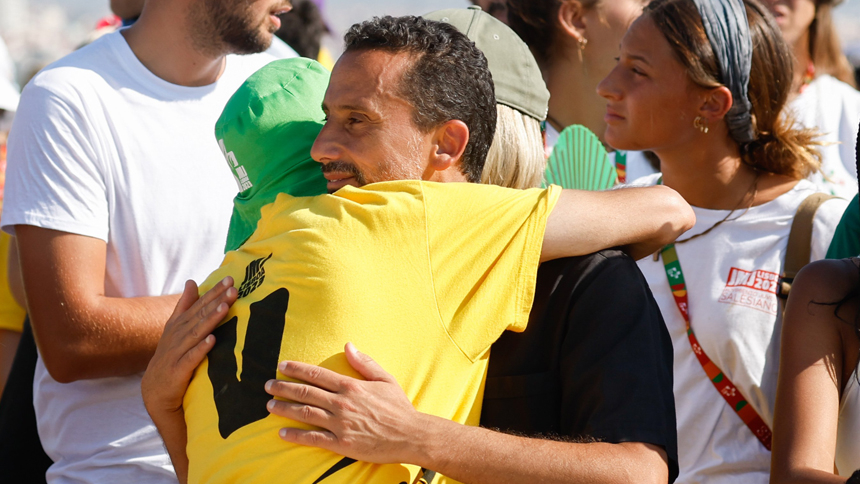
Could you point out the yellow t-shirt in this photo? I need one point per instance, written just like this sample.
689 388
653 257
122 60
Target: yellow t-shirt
11 313
422 276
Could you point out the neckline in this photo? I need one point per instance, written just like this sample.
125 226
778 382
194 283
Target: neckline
146 78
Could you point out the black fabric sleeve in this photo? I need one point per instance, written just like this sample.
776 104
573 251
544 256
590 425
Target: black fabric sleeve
594 363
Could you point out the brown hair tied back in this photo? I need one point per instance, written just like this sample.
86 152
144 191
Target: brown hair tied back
779 147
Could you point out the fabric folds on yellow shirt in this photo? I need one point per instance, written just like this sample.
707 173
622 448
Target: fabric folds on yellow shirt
422 276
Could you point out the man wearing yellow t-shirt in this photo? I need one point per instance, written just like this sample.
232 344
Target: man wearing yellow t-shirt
423 275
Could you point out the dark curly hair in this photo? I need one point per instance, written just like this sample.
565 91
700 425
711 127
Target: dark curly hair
449 78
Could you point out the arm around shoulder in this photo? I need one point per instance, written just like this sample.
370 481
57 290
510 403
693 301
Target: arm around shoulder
639 220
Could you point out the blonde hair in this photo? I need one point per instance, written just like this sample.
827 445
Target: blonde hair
517 158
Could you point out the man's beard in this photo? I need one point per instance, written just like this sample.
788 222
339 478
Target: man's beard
231 23
406 167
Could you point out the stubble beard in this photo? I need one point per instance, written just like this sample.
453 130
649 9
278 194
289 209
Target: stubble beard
227 27
408 167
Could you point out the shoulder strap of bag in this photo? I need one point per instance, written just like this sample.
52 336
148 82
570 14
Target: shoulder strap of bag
800 241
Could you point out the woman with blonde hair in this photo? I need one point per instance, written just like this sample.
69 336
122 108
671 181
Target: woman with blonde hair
690 86
823 94
516 158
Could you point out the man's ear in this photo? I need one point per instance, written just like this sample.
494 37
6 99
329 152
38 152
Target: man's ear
570 19
716 103
449 144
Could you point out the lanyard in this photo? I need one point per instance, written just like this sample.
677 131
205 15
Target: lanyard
726 388
621 166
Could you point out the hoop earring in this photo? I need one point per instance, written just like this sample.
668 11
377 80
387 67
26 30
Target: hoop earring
701 124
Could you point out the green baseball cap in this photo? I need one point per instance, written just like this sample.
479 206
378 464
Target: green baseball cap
266 132
518 80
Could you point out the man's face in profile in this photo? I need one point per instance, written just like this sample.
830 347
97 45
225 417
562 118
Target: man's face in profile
244 26
370 135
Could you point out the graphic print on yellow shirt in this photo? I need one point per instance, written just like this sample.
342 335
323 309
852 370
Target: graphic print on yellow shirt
423 276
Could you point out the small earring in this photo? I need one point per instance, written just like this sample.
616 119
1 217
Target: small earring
582 44
701 124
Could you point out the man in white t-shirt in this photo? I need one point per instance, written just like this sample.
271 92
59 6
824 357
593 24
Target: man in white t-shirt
116 194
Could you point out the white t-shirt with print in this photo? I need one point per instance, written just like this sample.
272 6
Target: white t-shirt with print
103 148
731 278
833 108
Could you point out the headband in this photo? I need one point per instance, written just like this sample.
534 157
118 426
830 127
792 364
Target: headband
728 30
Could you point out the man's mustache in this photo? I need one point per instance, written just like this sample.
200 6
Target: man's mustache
341 167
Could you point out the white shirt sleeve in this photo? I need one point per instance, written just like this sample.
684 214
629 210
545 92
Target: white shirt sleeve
824 226
55 178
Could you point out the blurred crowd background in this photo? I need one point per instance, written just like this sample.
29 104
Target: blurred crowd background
38 32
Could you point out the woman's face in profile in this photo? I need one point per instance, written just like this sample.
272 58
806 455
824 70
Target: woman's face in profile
607 22
793 17
651 101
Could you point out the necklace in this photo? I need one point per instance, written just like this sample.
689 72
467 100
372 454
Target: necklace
753 190
808 77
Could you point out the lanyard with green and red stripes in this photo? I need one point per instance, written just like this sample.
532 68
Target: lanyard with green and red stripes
621 166
726 388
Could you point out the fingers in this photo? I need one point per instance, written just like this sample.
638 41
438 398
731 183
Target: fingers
315 375
221 293
307 414
187 299
301 393
311 438
187 329
193 357
366 366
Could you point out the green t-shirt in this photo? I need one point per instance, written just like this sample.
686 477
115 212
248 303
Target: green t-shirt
846 239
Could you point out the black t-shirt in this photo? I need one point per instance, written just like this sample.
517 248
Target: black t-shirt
595 361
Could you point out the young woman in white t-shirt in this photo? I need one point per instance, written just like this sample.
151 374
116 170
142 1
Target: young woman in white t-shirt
575 43
823 93
724 146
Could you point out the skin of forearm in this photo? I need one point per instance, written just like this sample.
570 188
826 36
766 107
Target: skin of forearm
101 337
806 476
478 456
174 433
640 220
8 346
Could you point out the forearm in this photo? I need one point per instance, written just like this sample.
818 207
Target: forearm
640 220
8 346
102 337
800 475
477 455
174 433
